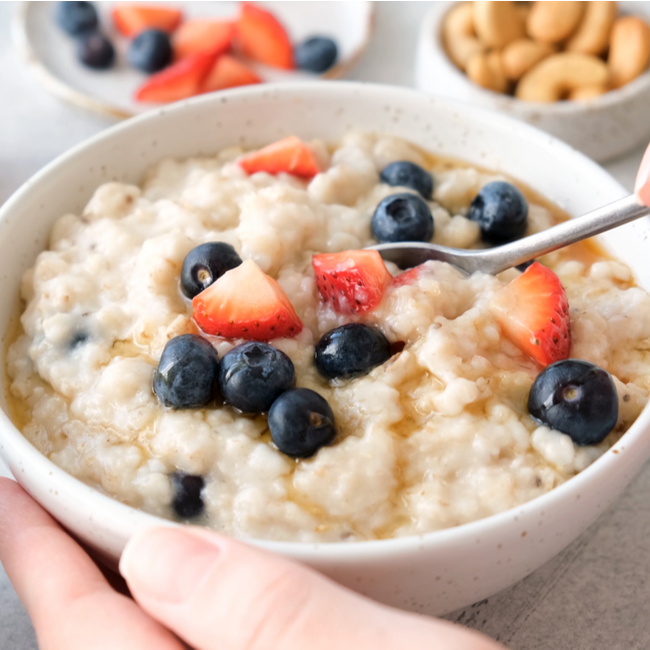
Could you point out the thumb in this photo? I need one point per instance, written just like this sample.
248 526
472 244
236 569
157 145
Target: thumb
215 592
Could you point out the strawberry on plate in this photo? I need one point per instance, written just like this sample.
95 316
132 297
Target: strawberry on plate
179 81
290 155
352 281
228 72
262 37
533 312
246 303
130 19
201 35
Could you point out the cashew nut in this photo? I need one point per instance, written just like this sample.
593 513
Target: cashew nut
585 93
497 23
552 22
521 55
485 69
458 34
557 76
592 35
629 50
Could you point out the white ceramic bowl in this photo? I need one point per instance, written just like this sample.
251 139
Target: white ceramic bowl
602 128
433 573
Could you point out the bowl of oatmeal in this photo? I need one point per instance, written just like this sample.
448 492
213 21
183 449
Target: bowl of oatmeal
428 485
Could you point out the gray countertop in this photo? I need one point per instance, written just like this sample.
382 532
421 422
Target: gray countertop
595 594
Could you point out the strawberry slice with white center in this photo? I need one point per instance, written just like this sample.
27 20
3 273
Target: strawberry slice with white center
352 281
533 312
131 19
290 155
263 38
199 35
246 303
228 72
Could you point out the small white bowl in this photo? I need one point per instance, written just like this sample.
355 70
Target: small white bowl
432 573
602 128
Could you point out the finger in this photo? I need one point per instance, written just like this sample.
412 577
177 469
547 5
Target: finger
215 592
70 603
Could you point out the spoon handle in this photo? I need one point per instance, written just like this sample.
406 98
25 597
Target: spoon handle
568 232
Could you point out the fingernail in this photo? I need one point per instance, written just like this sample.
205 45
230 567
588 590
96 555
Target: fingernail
642 185
167 564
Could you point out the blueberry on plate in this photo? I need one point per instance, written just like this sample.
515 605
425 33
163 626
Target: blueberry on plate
76 18
407 174
315 54
301 422
501 212
253 375
150 50
402 217
577 398
186 376
187 501
205 264
96 51
350 351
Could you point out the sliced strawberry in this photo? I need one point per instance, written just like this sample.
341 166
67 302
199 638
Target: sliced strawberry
262 37
290 155
408 277
353 281
178 81
132 19
196 36
246 303
533 311
228 72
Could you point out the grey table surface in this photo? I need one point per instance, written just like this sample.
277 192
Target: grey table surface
595 594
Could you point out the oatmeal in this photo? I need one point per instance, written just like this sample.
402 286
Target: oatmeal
436 434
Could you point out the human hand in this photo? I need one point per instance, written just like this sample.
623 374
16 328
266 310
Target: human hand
193 584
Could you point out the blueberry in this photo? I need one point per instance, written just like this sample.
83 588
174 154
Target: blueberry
407 174
501 211
350 351
205 264
301 422
76 18
96 51
315 54
187 373
187 502
577 398
150 50
402 217
253 375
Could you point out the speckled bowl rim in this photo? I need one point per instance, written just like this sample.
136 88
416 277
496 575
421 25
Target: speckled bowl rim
130 518
432 25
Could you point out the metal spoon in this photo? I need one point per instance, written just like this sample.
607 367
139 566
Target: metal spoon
500 258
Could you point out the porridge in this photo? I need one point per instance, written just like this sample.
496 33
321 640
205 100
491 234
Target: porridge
414 385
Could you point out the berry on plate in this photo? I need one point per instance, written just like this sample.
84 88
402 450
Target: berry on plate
228 72
577 398
76 18
290 155
201 35
351 350
501 211
131 19
403 173
352 281
262 37
315 54
186 375
402 217
188 500
96 51
205 264
246 303
533 312
179 81
301 422
150 50
253 375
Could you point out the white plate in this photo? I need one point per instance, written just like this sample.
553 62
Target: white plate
50 52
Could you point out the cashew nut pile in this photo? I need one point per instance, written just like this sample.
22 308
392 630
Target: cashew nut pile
546 51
